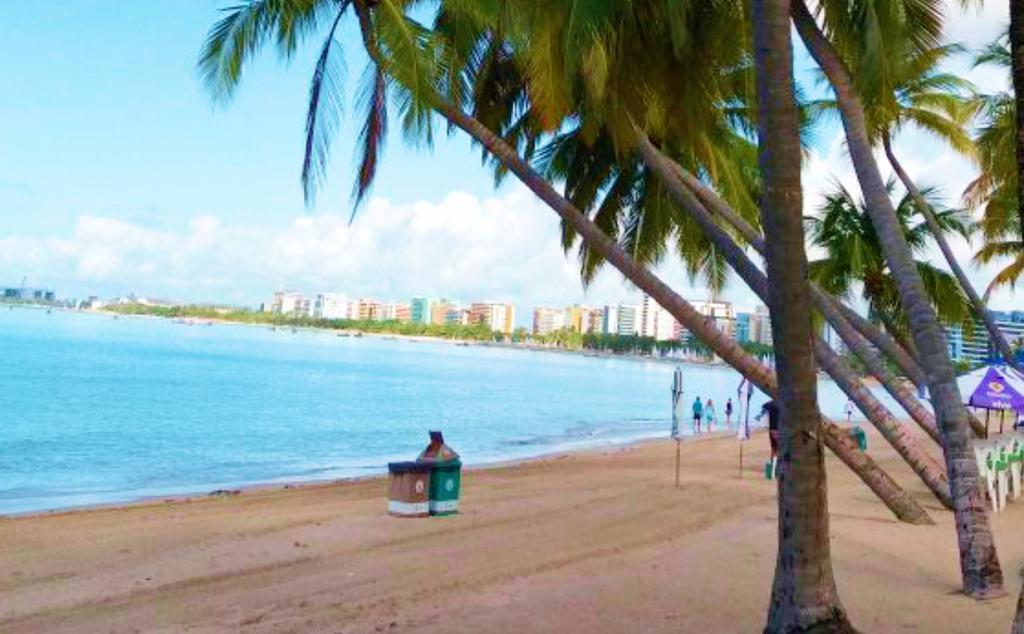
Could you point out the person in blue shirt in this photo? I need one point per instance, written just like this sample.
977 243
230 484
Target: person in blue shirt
698 413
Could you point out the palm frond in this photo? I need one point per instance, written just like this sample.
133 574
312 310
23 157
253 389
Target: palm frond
324 110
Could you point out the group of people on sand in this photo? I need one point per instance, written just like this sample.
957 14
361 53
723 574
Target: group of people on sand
704 412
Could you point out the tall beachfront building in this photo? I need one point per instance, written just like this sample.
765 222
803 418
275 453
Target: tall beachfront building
761 331
332 306
721 312
610 319
499 317
289 303
657 322
420 309
396 311
742 331
976 346
548 320
628 320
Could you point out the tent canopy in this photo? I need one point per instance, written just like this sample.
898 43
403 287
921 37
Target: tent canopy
993 387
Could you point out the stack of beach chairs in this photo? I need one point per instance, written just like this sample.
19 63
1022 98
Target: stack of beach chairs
1000 462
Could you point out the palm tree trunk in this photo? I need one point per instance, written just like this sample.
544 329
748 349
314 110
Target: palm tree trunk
884 342
1018 617
930 472
804 595
1001 344
1017 65
905 443
897 500
904 360
979 564
673 176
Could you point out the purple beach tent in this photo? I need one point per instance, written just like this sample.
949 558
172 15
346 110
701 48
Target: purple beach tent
994 387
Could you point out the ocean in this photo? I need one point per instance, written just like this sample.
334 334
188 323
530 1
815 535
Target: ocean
95 409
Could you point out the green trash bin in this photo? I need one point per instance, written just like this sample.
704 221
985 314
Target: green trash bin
445 482
445 475
858 436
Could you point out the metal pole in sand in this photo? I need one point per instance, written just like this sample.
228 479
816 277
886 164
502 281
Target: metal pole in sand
678 442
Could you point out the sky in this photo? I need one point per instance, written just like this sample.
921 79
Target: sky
119 174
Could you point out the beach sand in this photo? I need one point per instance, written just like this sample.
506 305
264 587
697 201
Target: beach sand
590 542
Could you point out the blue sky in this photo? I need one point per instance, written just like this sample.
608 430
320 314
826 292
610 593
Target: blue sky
118 174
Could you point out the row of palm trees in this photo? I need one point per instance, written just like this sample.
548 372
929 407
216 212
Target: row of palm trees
658 127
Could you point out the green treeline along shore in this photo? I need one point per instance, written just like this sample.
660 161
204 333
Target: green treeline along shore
565 339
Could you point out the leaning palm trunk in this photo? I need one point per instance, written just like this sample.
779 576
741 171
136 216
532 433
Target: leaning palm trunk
906 444
902 505
673 175
979 564
933 226
884 342
906 362
804 595
1017 68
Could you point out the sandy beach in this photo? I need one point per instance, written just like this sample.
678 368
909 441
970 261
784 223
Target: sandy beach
589 542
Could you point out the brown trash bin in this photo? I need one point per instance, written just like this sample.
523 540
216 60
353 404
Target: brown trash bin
410 489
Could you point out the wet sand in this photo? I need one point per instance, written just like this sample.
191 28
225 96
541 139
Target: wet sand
589 542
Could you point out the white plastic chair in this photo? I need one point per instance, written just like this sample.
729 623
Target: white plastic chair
981 454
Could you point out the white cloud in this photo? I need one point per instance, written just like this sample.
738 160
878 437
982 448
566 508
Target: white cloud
504 247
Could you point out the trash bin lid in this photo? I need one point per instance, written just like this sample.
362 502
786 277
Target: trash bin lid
437 450
408 467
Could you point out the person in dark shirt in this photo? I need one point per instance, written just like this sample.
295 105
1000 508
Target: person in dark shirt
772 409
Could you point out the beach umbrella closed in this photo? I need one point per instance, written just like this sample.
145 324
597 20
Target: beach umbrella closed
677 404
743 422
677 400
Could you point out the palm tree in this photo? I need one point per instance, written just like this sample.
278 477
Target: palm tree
853 257
915 92
995 189
979 562
1016 40
804 594
396 44
588 169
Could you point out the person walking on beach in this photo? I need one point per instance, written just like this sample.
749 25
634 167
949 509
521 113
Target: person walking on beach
728 413
709 414
698 413
849 412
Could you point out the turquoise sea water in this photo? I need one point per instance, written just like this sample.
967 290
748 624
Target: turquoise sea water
95 409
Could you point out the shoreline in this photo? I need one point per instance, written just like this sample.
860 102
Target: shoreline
346 332
597 541
287 483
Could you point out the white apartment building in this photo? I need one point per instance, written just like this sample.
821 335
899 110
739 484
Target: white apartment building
289 303
548 320
761 326
657 322
332 306
628 320
499 317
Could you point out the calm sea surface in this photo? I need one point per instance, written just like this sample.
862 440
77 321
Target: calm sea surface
96 409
